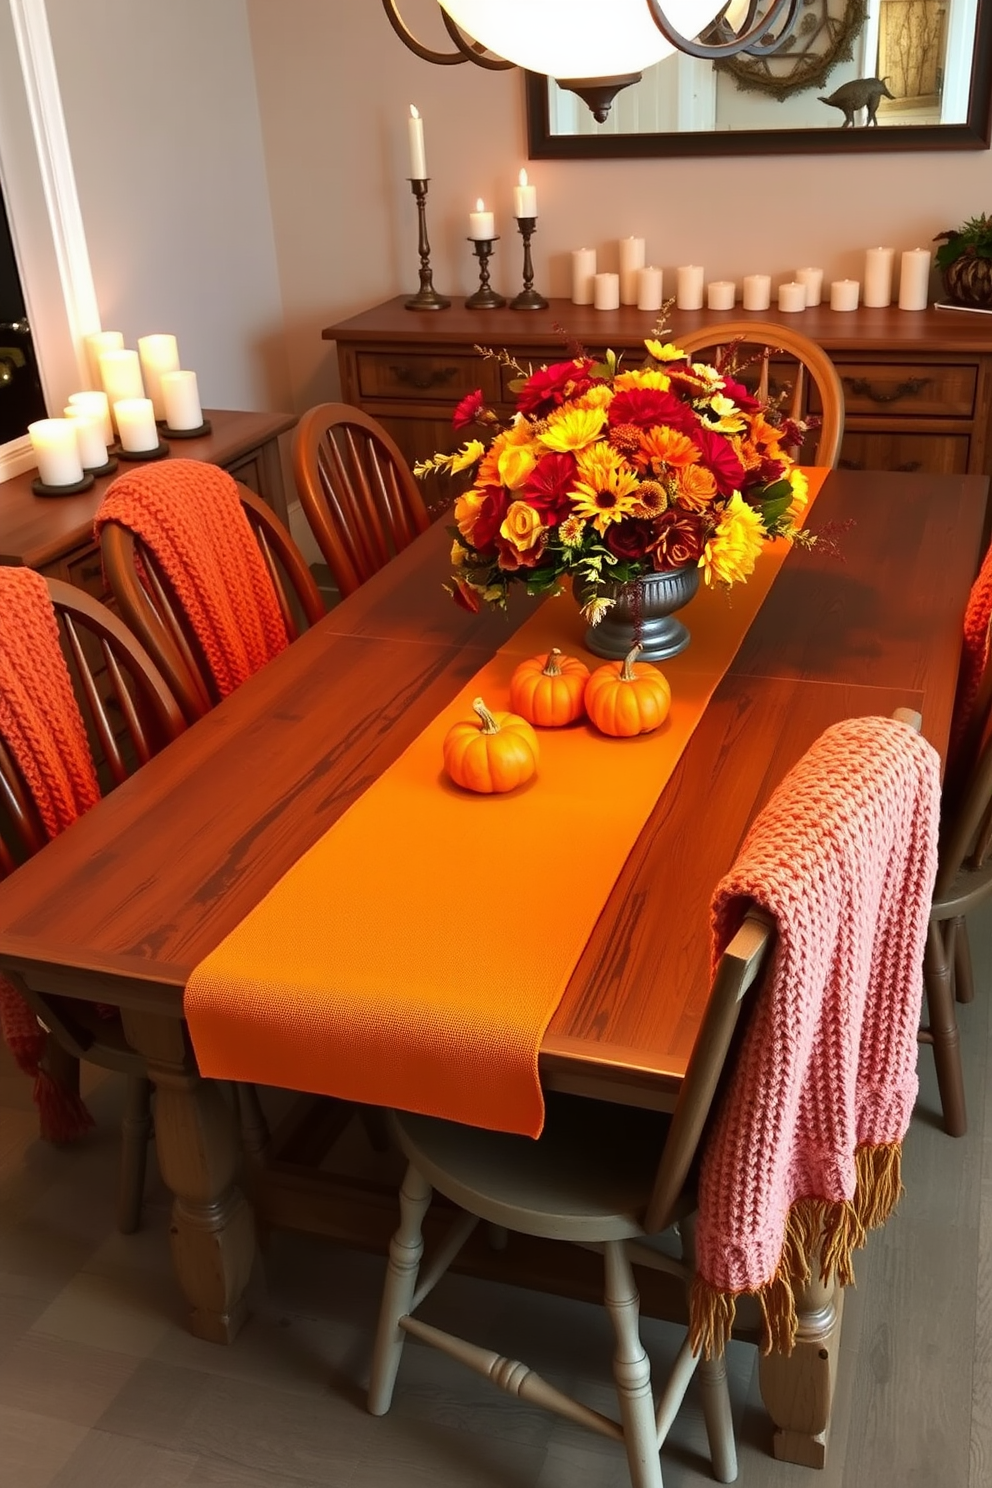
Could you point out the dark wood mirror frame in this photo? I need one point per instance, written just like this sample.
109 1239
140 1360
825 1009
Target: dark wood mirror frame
974 134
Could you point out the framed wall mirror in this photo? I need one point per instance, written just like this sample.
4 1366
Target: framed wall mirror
857 75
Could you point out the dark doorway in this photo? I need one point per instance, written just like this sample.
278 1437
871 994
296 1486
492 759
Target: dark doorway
21 397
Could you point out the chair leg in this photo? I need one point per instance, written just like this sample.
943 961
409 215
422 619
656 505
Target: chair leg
135 1131
712 1376
964 982
405 1252
944 1033
631 1370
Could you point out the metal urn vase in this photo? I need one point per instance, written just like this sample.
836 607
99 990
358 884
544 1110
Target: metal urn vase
644 615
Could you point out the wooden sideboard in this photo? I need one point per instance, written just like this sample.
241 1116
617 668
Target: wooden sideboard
55 534
917 384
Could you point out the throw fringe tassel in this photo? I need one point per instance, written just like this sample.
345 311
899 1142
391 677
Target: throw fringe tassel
62 1115
836 1229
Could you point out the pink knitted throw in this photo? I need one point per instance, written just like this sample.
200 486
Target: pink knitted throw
189 516
43 730
805 1146
966 726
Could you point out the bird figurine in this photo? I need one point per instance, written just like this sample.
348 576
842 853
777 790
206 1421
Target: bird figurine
859 93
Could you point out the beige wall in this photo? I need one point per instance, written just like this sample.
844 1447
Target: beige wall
334 85
163 123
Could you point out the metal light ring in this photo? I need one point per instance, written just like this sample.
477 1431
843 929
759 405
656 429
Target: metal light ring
473 51
441 59
748 40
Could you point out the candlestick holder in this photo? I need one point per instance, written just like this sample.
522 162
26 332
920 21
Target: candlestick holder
485 297
528 298
427 297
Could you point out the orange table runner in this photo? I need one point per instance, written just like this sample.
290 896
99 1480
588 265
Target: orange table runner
415 955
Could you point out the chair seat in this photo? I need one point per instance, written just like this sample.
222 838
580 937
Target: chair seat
587 1178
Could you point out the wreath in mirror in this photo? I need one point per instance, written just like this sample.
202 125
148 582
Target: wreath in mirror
824 35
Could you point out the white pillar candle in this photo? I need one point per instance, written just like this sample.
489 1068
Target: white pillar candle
878 277
95 405
524 197
689 287
844 294
792 297
418 157
583 275
136 423
757 291
121 375
721 294
606 292
157 354
914 279
96 344
182 400
812 281
481 224
89 440
649 288
631 262
55 449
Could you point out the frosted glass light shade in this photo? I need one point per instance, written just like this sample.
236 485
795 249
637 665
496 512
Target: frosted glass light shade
577 38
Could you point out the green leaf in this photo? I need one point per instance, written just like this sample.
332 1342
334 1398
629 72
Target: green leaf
771 511
517 384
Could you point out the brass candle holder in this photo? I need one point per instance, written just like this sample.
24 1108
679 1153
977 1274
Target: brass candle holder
528 298
485 297
427 297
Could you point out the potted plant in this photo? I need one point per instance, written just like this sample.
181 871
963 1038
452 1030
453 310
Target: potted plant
965 262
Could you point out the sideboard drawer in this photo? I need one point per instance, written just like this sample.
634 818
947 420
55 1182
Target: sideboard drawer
936 454
84 569
920 391
416 375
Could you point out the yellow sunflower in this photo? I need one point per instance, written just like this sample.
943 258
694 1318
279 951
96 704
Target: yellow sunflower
652 378
609 498
573 429
733 550
800 490
728 417
667 352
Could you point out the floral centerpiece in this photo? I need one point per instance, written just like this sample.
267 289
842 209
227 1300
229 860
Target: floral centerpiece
607 475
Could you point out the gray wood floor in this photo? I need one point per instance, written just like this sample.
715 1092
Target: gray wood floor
101 1387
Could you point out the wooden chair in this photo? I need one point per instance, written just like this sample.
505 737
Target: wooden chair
758 341
595 1178
129 714
357 492
154 613
964 881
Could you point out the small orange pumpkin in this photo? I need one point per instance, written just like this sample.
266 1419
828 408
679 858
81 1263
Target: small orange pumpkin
491 753
628 697
549 691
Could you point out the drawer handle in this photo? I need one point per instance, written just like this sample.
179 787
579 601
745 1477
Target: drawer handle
907 389
95 571
906 468
423 380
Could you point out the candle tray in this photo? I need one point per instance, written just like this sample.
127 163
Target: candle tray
40 488
196 433
107 469
159 453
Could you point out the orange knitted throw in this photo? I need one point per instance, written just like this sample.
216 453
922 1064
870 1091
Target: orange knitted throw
966 726
805 1149
43 730
189 516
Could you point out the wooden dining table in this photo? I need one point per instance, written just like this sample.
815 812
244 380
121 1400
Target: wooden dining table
121 907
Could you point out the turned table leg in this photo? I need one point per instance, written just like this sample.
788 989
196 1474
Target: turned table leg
798 1388
212 1229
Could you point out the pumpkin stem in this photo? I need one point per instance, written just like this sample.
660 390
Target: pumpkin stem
551 667
489 724
627 670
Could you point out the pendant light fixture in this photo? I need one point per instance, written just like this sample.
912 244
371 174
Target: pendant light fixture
596 47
